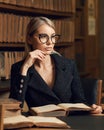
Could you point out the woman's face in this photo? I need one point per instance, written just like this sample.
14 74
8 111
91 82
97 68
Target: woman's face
44 39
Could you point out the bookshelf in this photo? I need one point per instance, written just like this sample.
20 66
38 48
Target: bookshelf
15 15
87 45
92 37
71 22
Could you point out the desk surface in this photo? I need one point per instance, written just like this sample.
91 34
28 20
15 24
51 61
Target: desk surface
84 122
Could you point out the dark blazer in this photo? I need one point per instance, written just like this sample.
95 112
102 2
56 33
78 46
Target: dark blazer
35 91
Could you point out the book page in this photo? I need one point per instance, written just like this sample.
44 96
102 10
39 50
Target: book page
17 122
46 108
36 121
48 121
68 106
15 119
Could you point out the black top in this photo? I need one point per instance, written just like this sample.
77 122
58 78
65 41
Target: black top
35 91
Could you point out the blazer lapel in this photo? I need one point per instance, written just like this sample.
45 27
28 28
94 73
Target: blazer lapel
63 78
37 83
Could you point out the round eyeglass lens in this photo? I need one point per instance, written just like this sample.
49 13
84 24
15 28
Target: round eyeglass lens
55 38
43 38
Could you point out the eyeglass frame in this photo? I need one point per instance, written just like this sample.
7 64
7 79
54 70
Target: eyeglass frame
44 34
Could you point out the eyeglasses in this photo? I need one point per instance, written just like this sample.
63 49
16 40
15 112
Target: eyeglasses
44 38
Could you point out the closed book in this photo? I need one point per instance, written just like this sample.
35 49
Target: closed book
10 103
11 107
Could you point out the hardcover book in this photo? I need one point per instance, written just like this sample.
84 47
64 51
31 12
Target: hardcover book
11 107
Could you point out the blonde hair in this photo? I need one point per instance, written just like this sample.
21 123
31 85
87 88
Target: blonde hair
32 27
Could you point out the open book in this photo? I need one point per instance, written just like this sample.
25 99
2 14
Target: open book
21 121
61 109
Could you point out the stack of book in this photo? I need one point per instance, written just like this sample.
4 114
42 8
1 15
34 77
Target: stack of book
11 107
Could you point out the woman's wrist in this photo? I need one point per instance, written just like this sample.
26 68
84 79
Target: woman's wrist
24 70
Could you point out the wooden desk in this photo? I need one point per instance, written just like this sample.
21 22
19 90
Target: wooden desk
85 122
1 116
45 129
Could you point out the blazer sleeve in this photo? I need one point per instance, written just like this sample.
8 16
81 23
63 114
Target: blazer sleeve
18 84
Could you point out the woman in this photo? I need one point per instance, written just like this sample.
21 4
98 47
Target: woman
45 77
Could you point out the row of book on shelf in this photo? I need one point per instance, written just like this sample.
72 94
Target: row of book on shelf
13 28
41 116
57 5
6 61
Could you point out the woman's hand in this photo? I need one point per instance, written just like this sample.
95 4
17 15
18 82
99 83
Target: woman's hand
97 109
30 59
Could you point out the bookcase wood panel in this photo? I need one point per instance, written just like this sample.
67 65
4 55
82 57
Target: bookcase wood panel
87 43
92 43
80 37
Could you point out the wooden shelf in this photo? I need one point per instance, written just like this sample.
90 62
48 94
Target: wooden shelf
33 11
79 38
21 45
11 45
79 8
